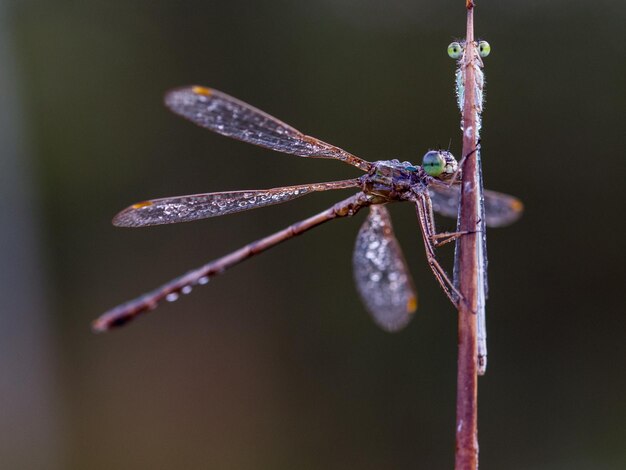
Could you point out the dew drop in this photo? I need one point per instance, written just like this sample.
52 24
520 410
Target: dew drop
203 280
171 297
186 290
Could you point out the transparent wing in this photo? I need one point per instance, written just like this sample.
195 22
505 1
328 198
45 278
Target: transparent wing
230 117
382 277
171 210
500 209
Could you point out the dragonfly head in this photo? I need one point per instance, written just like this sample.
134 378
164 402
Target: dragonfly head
456 49
439 164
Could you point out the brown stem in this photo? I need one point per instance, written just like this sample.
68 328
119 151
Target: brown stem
466 457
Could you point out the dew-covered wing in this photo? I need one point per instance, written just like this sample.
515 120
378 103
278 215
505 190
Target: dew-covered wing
171 210
500 209
230 117
382 277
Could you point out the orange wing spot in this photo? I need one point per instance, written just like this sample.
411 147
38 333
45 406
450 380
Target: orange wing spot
517 205
139 205
200 90
411 305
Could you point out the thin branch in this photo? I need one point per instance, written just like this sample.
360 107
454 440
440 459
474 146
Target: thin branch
466 457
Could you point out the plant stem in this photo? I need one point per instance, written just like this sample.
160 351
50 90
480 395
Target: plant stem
466 457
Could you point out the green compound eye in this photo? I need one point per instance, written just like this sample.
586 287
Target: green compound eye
433 163
455 50
484 48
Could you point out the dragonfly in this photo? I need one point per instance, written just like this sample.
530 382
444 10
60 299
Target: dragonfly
381 273
471 57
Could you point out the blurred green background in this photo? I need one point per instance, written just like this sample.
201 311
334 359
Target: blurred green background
276 365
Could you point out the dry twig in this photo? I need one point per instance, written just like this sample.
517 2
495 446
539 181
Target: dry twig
466 457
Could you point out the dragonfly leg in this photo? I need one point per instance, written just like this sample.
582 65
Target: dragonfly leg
170 291
425 217
442 238
435 236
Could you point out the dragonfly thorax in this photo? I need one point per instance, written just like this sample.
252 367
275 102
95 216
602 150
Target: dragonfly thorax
392 178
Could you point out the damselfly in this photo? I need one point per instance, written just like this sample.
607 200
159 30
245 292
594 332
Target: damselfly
469 56
381 274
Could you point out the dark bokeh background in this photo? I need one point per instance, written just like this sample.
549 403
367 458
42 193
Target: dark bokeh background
276 365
